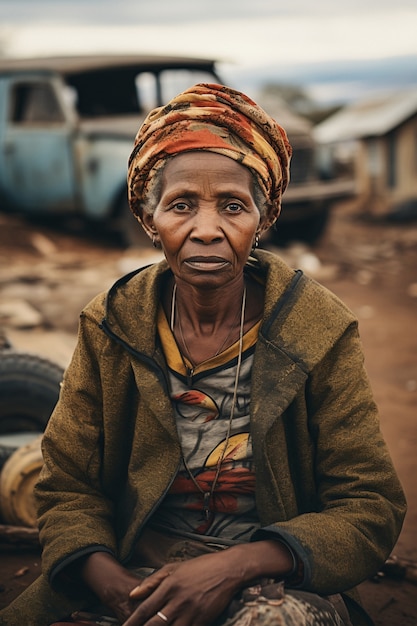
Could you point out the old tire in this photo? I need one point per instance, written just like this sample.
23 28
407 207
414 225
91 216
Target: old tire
29 390
17 480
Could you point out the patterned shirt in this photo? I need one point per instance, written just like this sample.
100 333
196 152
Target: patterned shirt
202 404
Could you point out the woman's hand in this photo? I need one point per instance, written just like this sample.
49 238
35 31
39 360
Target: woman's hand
111 582
188 593
196 592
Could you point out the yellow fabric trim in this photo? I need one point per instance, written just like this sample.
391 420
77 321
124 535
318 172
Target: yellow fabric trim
178 363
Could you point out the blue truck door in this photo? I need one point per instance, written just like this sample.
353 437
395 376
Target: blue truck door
39 171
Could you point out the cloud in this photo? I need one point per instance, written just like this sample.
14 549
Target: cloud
131 12
245 42
255 42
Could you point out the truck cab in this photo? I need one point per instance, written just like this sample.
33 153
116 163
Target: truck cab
67 126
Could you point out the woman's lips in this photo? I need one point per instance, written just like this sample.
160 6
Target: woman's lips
206 263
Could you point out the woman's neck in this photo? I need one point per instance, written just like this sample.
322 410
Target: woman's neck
207 322
212 307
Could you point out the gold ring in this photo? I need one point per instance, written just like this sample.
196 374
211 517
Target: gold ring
162 616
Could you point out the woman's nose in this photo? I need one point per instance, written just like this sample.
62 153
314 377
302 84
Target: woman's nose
207 226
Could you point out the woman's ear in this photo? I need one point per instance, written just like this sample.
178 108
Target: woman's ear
150 230
264 224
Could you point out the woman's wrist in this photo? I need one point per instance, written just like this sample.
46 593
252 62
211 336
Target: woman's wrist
99 570
265 558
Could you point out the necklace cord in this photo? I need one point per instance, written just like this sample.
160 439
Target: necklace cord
187 351
208 496
234 401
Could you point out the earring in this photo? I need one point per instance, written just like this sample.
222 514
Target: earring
155 242
255 242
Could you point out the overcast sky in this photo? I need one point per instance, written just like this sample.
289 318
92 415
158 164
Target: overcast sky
163 11
244 33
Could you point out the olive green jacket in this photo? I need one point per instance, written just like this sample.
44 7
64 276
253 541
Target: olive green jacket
325 483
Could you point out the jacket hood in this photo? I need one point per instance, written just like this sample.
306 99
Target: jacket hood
128 312
131 304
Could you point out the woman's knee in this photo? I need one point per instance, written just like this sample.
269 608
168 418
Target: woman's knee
281 607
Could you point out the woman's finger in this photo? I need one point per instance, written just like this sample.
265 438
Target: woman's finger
148 585
140 617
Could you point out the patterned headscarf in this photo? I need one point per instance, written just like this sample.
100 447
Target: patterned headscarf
217 119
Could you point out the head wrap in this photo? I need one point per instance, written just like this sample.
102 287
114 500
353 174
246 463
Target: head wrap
217 119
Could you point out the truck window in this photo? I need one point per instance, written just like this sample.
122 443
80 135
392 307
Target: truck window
147 91
34 103
174 82
104 92
155 89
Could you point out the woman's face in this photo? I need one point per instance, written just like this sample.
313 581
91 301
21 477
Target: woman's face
206 218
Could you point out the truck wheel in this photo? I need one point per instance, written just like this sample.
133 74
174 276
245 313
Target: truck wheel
131 232
307 229
29 390
312 228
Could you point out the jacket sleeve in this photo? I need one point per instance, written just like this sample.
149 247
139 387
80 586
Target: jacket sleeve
360 504
75 512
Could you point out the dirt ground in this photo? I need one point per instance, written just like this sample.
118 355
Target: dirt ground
47 275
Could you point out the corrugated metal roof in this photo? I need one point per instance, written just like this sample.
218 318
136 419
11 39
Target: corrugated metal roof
368 118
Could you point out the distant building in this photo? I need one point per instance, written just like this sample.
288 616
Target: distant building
379 137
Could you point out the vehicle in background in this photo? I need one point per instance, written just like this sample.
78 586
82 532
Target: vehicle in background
315 186
29 390
67 127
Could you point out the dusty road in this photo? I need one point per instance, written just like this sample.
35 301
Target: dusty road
46 276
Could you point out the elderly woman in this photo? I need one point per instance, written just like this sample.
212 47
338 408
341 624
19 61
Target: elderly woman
215 455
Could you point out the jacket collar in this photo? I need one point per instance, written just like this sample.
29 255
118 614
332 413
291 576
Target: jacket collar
131 304
130 319
279 373
130 309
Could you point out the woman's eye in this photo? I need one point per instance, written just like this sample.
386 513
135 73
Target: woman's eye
234 207
180 206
